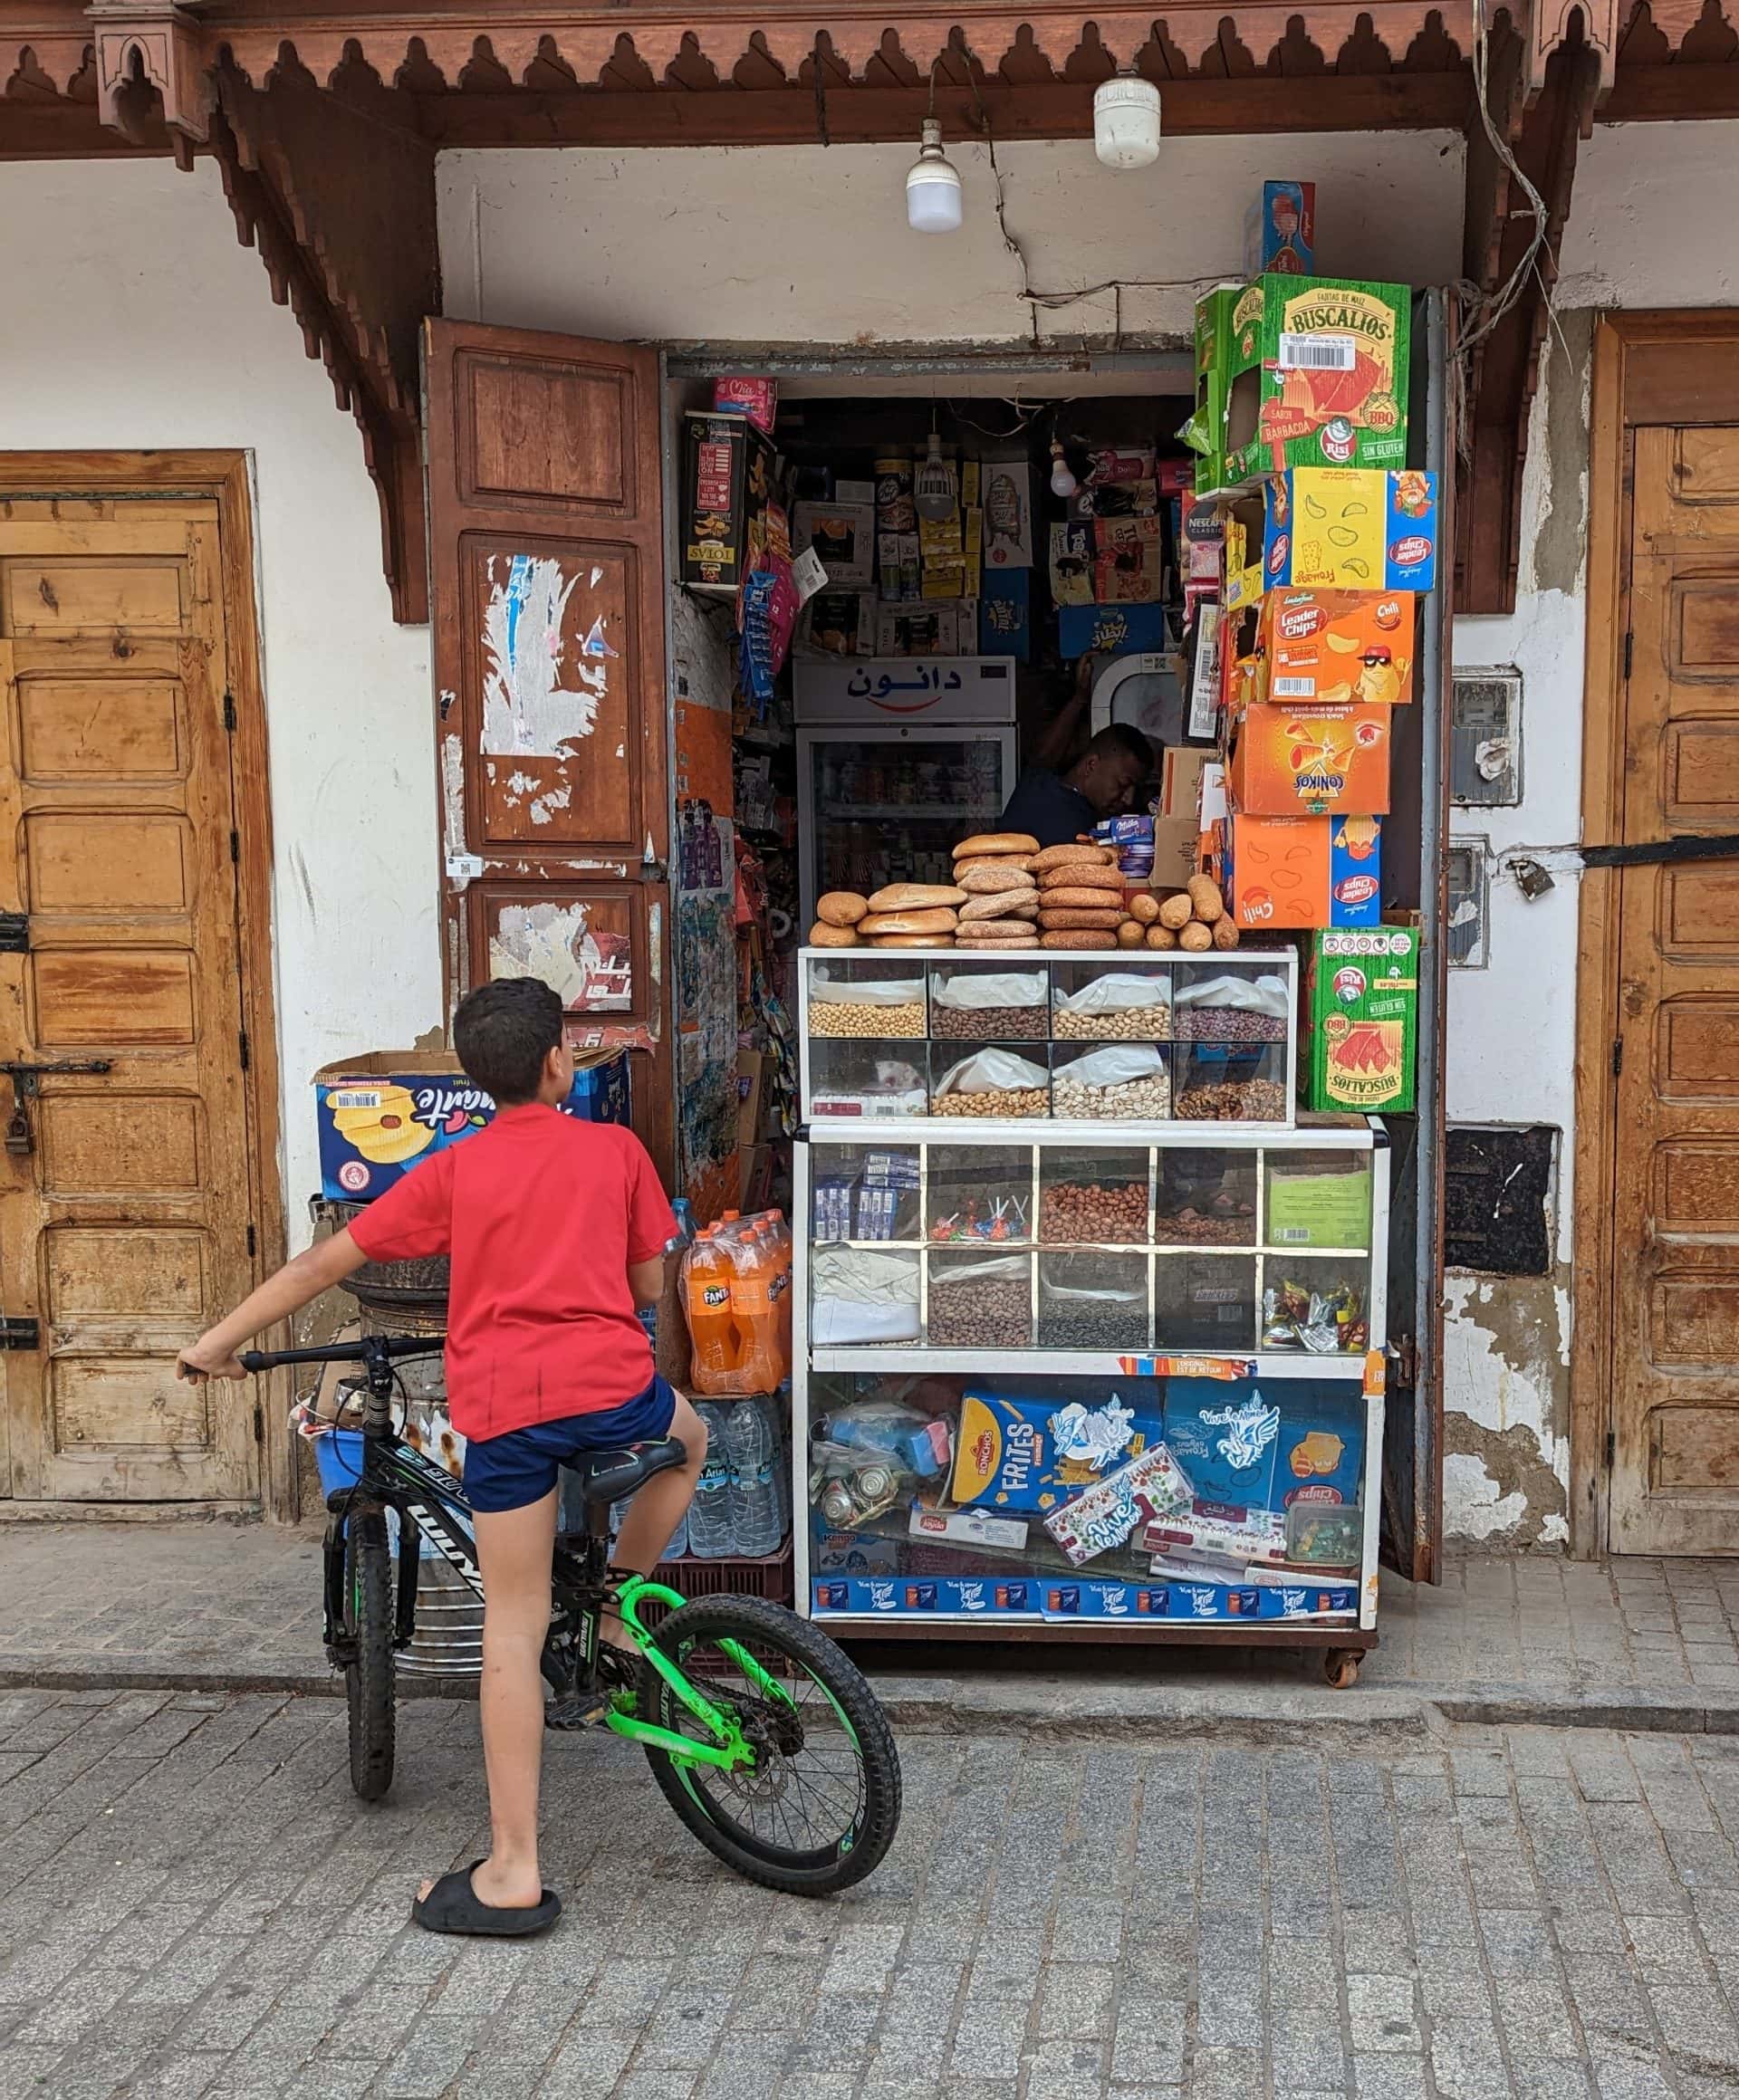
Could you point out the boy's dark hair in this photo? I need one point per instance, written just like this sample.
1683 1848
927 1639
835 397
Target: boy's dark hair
504 1031
1121 736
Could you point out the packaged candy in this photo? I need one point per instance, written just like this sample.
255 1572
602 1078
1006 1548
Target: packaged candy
1104 1517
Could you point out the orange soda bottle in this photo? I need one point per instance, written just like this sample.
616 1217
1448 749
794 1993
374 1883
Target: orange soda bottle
713 1331
752 1301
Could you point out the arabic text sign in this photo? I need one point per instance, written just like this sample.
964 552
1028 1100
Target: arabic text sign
942 689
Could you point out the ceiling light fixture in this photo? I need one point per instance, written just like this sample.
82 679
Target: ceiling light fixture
932 186
1126 120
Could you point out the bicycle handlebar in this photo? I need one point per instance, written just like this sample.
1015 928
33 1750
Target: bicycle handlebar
357 1352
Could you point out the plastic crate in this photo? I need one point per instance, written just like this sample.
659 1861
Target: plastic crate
770 1577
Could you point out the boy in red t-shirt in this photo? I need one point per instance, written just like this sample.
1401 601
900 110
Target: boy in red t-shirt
557 1230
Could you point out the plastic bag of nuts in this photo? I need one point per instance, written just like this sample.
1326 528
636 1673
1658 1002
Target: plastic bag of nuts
1123 1082
1119 1006
993 1083
849 1006
980 1305
996 1006
1085 1214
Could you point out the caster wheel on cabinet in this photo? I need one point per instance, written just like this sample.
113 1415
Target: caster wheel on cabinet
1340 1667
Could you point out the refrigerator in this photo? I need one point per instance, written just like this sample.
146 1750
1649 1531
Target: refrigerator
898 757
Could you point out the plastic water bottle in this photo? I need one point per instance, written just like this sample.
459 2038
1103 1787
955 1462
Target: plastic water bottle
752 1443
710 1530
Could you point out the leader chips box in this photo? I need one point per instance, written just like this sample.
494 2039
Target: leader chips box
1336 644
1317 375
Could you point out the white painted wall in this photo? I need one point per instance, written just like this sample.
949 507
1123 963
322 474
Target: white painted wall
807 244
134 319
1651 217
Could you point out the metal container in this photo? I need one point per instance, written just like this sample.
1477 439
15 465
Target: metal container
386 1284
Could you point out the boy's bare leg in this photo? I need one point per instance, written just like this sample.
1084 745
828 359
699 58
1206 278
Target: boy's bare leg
514 1552
656 1510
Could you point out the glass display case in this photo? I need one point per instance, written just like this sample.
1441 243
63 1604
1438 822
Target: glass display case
1138 1037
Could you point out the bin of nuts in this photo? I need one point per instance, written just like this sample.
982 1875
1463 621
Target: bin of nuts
973 1005
1093 1302
853 1006
1232 1101
981 1304
991 1083
1091 1212
1205 1199
1115 1006
1122 1083
1226 1007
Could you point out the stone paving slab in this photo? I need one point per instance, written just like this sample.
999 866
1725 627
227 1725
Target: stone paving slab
193 1906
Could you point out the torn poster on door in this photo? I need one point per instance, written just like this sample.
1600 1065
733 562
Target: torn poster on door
527 711
593 972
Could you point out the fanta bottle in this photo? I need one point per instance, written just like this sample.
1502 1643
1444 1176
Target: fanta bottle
752 1301
708 1285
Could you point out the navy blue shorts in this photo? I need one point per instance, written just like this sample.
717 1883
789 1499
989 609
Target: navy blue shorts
514 1470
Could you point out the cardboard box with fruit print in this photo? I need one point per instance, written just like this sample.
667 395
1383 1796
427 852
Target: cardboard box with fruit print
1360 1016
378 1115
1317 375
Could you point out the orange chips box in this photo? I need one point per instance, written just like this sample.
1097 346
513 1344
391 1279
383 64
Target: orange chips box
1305 871
1312 760
1337 647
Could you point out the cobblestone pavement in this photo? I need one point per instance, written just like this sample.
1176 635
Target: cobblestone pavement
194 1907
156 1602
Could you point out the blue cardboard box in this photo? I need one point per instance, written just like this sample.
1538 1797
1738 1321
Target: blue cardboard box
1225 1600
1005 614
1226 1434
1110 630
377 1116
1320 1456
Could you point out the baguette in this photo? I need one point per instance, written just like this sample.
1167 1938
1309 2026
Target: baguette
840 907
1054 922
915 897
1005 904
1087 939
996 842
939 919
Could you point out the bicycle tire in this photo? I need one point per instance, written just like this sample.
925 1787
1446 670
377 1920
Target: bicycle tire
369 1677
763 1626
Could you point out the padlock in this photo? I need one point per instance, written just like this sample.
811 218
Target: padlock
19 1140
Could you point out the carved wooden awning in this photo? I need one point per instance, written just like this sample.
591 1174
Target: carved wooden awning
326 120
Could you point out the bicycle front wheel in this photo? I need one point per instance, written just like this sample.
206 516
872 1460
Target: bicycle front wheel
369 1677
818 1807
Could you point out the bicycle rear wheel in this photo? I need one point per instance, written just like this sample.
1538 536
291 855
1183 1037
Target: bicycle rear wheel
818 1807
369 1686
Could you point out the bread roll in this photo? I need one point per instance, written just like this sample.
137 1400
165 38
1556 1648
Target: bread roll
987 880
1000 863
1128 934
1067 896
939 919
1225 931
1081 874
996 842
1004 904
1060 856
840 907
1196 937
1174 912
822 934
1144 905
1204 898
915 897
1107 922
909 941
1087 939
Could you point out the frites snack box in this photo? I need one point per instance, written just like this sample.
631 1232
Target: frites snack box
1300 872
377 1116
1317 375
1334 529
1336 645
1310 761
1360 1019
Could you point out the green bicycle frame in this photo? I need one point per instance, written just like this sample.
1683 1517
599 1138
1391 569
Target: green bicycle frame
730 1750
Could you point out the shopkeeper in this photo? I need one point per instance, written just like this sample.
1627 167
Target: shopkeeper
1057 808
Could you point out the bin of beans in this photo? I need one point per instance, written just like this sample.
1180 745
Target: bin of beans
1093 1302
1111 1005
1205 1199
1094 1198
845 1000
990 1083
1229 1082
980 1302
1219 1006
1123 1082
972 1003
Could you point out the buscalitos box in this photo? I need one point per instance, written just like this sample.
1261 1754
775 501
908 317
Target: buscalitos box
1303 871
1334 645
1310 761
1319 375
1360 1019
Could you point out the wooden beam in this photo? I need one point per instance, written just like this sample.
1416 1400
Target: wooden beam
1502 372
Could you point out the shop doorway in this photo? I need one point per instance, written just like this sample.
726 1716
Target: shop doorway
134 877
1670 741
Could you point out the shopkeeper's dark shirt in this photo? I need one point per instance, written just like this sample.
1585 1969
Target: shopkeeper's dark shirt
1044 805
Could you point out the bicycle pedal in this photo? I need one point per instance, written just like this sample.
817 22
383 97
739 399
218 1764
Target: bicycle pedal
580 1710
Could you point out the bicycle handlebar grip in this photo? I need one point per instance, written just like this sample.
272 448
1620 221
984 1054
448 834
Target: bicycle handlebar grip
254 1360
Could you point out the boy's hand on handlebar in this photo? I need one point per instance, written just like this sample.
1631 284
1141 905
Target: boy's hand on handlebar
199 1361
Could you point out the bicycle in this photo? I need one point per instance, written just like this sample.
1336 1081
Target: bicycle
719 1696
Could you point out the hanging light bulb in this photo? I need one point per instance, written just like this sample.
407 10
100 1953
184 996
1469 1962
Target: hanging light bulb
1063 482
1126 120
932 186
936 492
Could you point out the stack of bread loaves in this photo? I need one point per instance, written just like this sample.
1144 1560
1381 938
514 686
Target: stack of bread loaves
1080 896
1001 893
906 915
1195 919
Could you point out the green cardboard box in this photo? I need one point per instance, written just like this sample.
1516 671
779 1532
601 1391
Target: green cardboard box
1317 375
1214 311
1361 1019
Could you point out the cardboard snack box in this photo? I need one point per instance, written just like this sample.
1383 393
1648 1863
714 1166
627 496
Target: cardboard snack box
1005 1453
1214 339
727 473
1317 375
378 1115
1310 761
1359 1015
1333 646
1342 528
1303 871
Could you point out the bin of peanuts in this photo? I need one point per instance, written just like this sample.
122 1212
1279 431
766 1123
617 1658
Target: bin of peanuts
865 999
980 1302
988 1003
991 1083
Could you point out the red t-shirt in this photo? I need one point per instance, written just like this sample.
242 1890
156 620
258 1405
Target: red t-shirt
542 1214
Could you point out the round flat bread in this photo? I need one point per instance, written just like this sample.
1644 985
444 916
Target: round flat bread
999 862
990 842
1081 874
1084 938
1060 856
915 897
987 880
1003 904
938 921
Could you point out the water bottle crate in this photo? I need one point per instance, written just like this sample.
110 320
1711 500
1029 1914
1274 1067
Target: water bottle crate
769 1576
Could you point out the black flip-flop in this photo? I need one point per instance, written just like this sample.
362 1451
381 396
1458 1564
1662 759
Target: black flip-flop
453 1905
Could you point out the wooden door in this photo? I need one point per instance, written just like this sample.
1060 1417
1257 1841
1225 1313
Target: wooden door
546 523
1675 1476
124 1227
